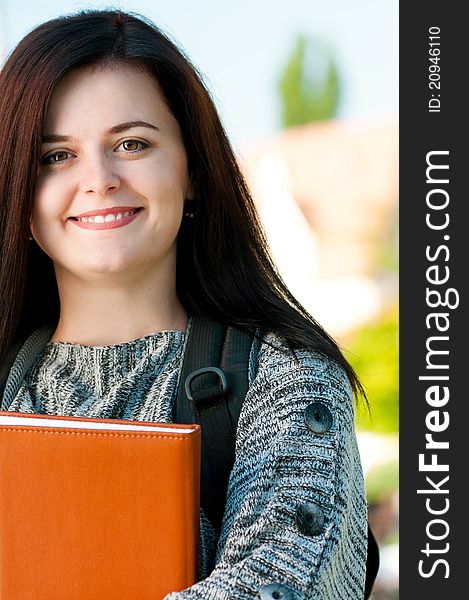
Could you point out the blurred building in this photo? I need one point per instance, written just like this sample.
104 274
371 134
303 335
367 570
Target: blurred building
327 195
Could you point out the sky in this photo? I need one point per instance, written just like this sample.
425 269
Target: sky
241 47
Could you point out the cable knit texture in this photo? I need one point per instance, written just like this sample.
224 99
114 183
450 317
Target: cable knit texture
280 465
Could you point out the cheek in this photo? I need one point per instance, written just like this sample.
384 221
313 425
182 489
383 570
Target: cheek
40 209
37 217
44 188
51 195
169 174
45 214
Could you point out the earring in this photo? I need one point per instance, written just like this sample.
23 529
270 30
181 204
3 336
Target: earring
189 209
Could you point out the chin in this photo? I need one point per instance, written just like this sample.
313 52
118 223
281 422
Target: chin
99 265
114 266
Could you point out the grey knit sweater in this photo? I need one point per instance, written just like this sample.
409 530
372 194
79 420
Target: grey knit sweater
295 519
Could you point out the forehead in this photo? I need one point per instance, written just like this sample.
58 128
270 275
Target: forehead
103 96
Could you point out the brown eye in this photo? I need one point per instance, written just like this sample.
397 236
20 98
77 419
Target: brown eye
133 145
55 157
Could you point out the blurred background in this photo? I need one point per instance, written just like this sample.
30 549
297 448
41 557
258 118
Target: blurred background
308 93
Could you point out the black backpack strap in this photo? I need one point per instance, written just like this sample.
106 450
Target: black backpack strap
21 354
212 387
7 364
372 563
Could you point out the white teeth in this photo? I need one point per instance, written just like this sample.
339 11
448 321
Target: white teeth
107 218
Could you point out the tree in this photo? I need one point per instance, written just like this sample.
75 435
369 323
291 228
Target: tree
309 84
373 352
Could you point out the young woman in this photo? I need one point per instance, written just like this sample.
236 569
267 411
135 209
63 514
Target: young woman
123 215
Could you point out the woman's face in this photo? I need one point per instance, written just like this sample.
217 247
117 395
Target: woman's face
113 176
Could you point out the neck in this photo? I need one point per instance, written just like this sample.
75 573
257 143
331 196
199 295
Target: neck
104 312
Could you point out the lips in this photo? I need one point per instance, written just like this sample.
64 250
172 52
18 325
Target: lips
107 218
103 213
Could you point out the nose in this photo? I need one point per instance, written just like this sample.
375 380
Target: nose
99 175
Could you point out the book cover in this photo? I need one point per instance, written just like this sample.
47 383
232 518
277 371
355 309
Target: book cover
96 508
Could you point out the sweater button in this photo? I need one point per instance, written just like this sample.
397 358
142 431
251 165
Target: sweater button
276 591
318 418
309 519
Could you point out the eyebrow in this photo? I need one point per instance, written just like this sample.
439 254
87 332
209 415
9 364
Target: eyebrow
54 138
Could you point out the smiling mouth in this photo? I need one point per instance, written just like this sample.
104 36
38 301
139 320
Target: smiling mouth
108 217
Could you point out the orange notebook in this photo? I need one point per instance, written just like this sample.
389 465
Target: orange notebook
95 509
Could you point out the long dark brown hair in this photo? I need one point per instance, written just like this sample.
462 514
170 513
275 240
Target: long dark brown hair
224 269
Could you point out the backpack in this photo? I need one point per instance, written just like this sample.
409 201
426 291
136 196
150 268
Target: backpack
213 383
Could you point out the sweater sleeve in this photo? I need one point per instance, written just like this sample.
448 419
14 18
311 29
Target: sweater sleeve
295 521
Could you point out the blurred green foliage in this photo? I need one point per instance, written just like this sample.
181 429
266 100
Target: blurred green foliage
309 84
382 481
389 255
373 353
